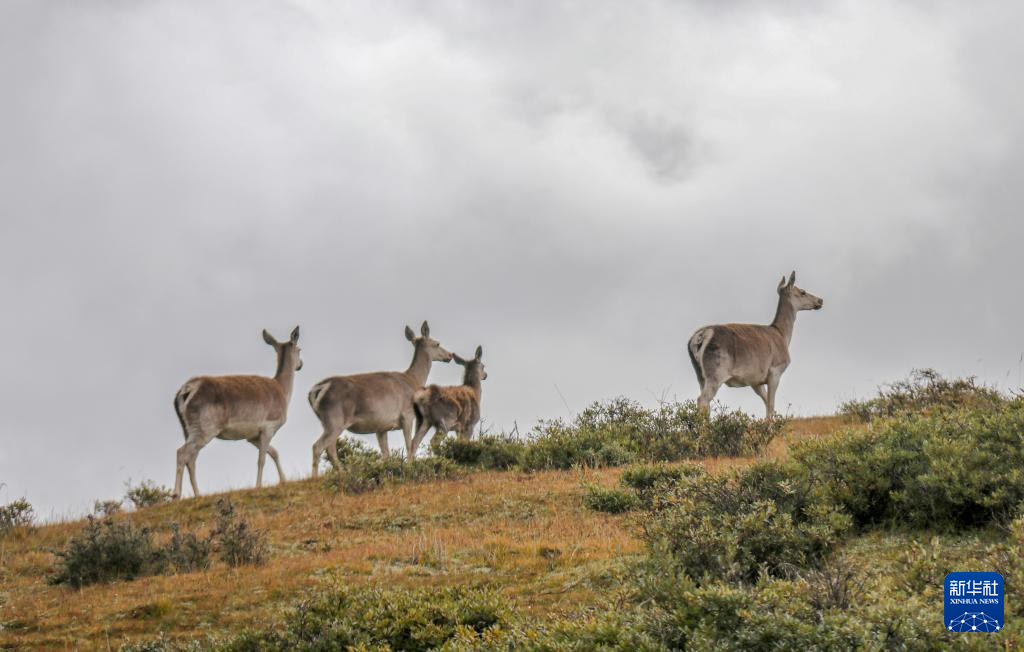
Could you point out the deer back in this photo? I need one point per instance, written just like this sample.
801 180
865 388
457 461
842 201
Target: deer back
228 399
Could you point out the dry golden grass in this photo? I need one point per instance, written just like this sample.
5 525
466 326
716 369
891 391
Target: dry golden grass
526 534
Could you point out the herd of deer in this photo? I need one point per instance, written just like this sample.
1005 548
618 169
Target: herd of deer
253 408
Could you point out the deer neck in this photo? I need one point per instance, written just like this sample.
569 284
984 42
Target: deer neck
785 317
285 374
472 381
419 370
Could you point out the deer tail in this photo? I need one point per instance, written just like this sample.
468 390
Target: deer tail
316 395
181 399
696 346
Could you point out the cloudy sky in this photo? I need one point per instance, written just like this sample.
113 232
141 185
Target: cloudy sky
576 186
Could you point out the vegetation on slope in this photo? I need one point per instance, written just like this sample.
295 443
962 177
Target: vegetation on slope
835 538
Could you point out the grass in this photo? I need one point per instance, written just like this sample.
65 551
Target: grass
528 536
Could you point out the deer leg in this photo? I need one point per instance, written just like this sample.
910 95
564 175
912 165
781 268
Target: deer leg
259 464
762 391
410 449
277 462
421 432
187 455
184 454
773 385
328 441
382 441
192 474
272 452
707 393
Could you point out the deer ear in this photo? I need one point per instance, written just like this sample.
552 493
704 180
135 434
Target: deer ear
409 335
479 352
782 284
425 329
268 338
295 336
459 359
792 278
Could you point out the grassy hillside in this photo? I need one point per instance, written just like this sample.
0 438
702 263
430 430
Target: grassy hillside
625 528
527 534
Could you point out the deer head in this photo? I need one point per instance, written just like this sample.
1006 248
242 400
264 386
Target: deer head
431 347
475 371
797 297
286 350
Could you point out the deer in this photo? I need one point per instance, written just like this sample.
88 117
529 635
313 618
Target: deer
250 408
451 408
749 355
374 403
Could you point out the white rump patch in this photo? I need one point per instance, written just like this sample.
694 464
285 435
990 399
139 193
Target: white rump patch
317 394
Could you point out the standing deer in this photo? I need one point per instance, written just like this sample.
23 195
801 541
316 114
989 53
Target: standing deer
374 403
451 408
749 355
252 408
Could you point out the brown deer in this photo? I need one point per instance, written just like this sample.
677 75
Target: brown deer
451 408
252 408
749 355
374 403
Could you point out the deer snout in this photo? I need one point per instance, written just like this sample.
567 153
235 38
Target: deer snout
818 304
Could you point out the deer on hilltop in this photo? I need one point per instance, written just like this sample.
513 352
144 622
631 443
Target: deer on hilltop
374 403
749 355
451 408
234 408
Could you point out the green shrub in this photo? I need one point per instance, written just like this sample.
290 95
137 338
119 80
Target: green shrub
237 542
106 507
346 618
146 494
106 550
739 526
620 431
923 390
16 514
555 445
646 478
610 500
614 433
498 452
186 552
948 469
361 474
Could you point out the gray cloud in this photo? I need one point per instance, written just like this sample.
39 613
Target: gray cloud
575 190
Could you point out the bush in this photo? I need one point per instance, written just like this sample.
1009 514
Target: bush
556 445
647 478
186 552
609 500
146 494
923 390
106 550
106 507
498 452
743 525
778 614
620 431
379 619
15 514
949 469
360 474
237 542
614 433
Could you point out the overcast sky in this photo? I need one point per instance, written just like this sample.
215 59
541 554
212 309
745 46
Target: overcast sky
577 186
